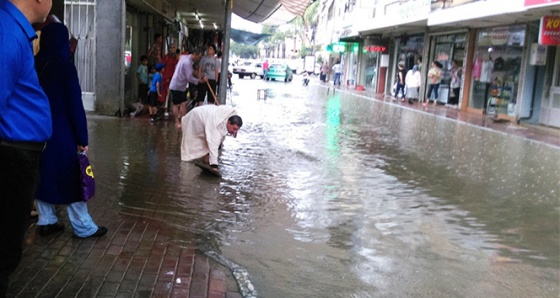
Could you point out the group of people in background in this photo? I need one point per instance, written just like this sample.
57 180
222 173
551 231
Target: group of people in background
177 77
408 83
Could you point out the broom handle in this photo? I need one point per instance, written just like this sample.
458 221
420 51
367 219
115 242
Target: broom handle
216 102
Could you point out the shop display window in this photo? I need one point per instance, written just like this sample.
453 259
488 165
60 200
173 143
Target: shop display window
448 48
496 69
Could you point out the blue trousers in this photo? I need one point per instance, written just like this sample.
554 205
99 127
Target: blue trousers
80 219
435 88
399 88
337 78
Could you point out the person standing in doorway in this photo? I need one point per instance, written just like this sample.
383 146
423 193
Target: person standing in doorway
154 54
434 79
208 69
25 126
170 60
412 82
337 68
142 76
455 84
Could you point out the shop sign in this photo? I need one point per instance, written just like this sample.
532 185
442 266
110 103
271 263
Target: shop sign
540 2
374 48
339 47
440 4
499 36
549 31
413 8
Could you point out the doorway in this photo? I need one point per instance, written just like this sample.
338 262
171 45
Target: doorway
550 108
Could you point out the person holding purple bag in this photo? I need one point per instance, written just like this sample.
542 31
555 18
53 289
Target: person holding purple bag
60 168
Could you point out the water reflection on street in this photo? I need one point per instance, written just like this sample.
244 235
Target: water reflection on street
338 196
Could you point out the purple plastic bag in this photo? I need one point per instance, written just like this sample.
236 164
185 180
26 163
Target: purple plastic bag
87 182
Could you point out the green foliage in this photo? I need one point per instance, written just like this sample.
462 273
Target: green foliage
244 51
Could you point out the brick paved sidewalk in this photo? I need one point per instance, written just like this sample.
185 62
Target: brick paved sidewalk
134 259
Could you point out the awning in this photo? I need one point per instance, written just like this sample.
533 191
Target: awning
246 37
393 27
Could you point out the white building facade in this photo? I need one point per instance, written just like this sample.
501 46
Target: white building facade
510 62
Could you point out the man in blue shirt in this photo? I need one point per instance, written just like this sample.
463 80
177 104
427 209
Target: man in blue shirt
25 126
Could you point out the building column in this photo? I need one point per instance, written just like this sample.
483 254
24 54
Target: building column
109 70
225 53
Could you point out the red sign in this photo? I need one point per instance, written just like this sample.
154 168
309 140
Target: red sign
372 48
539 2
549 31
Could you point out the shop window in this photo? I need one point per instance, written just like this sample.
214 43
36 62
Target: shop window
496 69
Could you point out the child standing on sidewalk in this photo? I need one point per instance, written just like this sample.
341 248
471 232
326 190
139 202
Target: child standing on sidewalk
142 76
155 91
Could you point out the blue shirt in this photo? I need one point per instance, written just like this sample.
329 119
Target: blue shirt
25 113
155 80
142 71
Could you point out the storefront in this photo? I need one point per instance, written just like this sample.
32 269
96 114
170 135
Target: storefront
496 70
546 53
347 54
370 68
408 51
446 48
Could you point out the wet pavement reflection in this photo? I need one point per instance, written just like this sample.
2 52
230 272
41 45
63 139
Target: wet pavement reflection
334 195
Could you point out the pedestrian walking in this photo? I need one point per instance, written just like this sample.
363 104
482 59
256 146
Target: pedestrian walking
25 126
204 130
324 72
401 75
265 69
60 177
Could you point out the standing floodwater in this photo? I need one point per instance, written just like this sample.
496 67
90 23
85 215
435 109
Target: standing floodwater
338 196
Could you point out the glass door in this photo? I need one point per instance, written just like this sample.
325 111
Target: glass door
550 109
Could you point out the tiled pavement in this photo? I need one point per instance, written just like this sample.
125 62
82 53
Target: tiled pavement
135 258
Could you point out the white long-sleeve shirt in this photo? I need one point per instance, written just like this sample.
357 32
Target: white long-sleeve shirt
183 74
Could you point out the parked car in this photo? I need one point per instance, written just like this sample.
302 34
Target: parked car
279 71
250 69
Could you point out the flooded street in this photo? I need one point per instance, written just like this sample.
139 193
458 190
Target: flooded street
341 196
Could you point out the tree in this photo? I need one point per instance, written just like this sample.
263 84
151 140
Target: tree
244 51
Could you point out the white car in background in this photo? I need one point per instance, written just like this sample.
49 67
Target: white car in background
250 69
